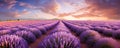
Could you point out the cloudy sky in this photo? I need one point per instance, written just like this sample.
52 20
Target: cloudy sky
60 9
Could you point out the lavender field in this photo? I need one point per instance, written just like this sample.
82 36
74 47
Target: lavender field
60 34
59 23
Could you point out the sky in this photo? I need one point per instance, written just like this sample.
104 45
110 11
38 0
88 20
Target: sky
60 9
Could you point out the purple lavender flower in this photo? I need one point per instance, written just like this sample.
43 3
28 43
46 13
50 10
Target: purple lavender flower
106 43
28 36
12 41
60 40
23 28
2 28
92 40
50 26
87 34
14 29
77 29
108 32
36 32
42 29
60 30
115 27
4 32
99 29
116 34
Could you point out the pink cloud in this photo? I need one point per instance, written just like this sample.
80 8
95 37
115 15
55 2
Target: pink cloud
14 14
108 8
27 5
9 4
49 6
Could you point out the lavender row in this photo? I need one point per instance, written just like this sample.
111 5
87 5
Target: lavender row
27 34
60 28
76 29
60 40
92 37
109 29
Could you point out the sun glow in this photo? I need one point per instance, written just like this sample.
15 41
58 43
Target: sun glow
85 18
93 18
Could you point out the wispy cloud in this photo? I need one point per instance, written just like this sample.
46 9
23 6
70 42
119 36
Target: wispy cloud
108 8
8 4
46 6
14 14
27 5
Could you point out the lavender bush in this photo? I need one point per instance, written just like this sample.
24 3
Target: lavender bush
60 40
87 34
99 29
4 32
106 43
92 40
36 32
77 29
28 36
12 41
42 29
116 34
108 32
14 29
60 30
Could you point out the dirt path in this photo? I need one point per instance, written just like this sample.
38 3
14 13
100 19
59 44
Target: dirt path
38 40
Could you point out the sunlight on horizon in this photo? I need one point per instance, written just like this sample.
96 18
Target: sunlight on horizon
84 18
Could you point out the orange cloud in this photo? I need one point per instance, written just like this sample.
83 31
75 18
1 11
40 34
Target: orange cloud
102 9
14 14
107 8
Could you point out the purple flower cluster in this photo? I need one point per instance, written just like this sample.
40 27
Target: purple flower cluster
60 40
28 36
116 34
4 32
106 43
108 32
89 34
50 26
62 34
12 41
36 32
20 34
42 29
60 28
77 29
14 29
